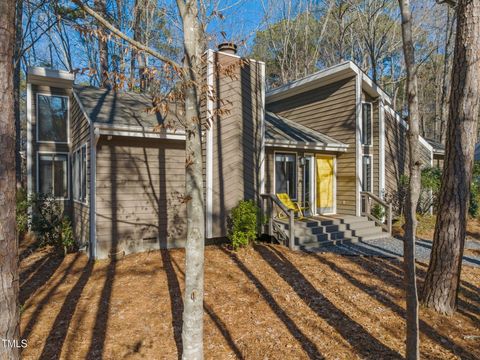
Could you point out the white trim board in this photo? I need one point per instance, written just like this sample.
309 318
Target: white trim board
305 146
381 145
358 143
209 152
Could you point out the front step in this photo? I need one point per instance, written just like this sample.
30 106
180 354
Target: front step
322 231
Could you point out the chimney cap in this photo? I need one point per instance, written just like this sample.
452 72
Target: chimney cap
228 47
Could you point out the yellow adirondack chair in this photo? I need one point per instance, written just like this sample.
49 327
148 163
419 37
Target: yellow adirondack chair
291 205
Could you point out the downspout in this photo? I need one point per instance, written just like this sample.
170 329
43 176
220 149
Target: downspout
94 136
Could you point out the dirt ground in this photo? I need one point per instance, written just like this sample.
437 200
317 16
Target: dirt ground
261 303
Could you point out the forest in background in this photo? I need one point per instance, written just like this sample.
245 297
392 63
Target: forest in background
294 38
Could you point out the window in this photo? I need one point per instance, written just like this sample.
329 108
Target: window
52 118
53 175
80 174
366 124
286 174
367 173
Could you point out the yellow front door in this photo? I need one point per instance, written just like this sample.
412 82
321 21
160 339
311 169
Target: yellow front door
325 184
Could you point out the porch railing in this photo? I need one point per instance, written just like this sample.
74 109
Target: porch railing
367 199
269 203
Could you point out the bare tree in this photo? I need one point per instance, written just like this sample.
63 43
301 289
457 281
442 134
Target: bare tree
412 349
9 314
191 76
443 276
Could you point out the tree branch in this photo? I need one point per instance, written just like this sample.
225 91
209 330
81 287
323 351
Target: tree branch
121 35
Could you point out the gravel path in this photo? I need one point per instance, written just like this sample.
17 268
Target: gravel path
393 248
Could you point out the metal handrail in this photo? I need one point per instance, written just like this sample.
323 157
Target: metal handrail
273 199
387 206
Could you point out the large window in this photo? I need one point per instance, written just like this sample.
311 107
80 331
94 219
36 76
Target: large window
80 174
286 174
366 124
367 173
53 175
52 118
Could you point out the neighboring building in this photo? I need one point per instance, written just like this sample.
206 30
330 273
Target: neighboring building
438 152
322 139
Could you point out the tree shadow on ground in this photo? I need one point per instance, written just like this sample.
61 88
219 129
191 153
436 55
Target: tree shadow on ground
354 333
308 346
38 273
46 299
177 308
59 330
376 266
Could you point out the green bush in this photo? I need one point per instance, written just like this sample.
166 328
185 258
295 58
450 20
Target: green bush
47 222
474 208
22 211
243 224
378 211
430 189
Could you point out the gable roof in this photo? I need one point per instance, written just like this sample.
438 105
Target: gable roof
282 132
324 77
438 148
123 109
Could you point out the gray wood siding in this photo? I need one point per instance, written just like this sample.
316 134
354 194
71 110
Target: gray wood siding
330 110
236 137
396 153
80 135
140 186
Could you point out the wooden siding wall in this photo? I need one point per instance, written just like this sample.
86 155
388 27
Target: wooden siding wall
330 110
236 137
140 184
48 147
396 153
79 136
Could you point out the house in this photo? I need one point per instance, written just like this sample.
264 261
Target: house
323 139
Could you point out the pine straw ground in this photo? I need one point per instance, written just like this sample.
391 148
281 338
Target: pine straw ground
261 303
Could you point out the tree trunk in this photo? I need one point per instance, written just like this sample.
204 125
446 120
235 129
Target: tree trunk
192 331
101 8
9 315
412 346
16 91
443 276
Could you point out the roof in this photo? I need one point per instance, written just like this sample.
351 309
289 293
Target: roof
44 76
282 132
438 148
123 109
324 77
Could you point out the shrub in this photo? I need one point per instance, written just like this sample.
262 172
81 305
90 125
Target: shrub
430 181
398 198
48 222
474 208
378 211
243 224
22 211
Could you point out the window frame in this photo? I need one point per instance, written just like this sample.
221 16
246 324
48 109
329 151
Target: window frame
79 150
370 138
275 153
37 118
37 173
371 172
